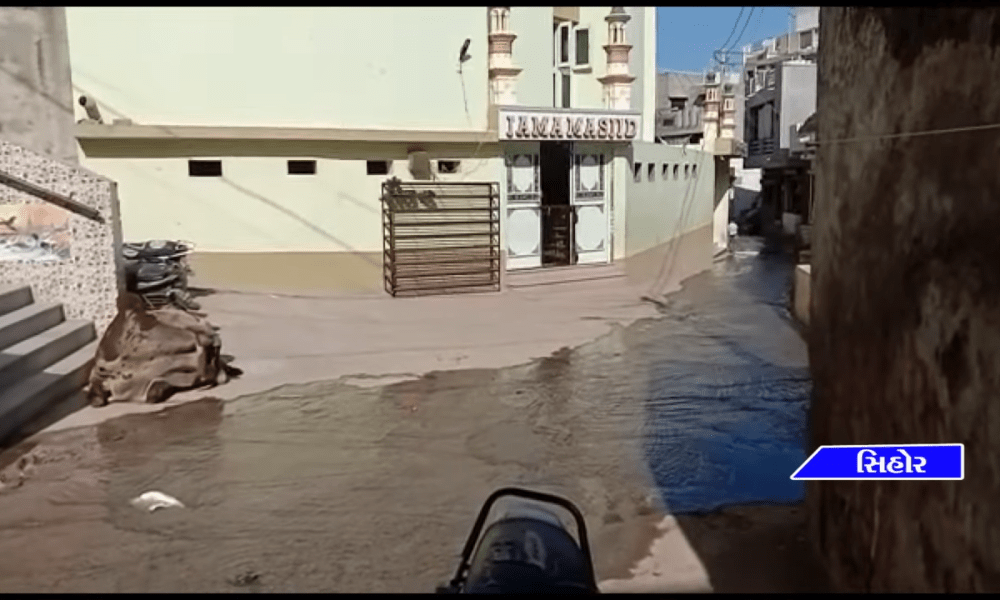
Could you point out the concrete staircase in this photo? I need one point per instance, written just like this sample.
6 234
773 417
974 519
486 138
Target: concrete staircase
45 360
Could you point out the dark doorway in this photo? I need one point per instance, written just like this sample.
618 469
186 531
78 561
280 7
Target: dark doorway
556 160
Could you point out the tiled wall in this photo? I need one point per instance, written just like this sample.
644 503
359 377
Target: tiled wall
88 282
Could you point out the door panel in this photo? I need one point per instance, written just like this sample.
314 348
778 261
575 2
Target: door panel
589 181
557 235
524 204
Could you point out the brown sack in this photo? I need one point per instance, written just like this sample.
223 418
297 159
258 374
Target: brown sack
148 355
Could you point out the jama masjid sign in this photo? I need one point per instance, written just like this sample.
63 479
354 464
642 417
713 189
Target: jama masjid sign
560 126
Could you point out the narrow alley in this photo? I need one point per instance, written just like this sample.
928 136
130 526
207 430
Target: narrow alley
330 487
654 260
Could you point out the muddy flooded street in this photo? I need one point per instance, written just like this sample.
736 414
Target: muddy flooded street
327 487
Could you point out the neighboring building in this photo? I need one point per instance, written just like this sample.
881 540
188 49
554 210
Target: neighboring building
803 148
681 105
60 260
680 102
36 102
549 102
780 84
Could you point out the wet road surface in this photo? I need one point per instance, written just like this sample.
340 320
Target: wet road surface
329 487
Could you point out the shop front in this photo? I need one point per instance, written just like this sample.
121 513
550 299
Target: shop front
557 183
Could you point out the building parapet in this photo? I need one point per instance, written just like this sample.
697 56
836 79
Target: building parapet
725 147
783 47
96 132
566 13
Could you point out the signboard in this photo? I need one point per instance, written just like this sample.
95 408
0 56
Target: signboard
912 462
540 126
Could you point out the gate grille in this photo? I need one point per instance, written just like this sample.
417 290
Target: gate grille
440 237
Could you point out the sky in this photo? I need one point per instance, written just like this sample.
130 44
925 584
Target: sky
688 36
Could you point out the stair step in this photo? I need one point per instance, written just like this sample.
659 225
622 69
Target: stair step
13 297
38 352
564 274
25 322
24 402
54 413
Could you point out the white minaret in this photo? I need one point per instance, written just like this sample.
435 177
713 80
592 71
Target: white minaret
503 73
710 114
727 127
618 81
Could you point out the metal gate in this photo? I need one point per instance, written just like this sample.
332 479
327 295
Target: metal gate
440 237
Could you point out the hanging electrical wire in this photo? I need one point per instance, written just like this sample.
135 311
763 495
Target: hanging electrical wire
760 13
750 16
889 136
735 25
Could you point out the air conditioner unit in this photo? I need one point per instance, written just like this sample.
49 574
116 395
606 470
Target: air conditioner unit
420 166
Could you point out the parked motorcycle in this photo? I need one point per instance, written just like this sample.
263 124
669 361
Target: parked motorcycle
526 549
158 272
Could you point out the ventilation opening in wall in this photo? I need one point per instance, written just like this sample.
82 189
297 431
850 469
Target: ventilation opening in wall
666 172
378 167
449 167
687 171
301 167
637 172
677 171
694 171
205 168
651 172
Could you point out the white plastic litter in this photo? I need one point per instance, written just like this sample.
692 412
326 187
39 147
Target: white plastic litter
155 500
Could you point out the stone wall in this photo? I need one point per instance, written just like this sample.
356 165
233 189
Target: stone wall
905 325
87 283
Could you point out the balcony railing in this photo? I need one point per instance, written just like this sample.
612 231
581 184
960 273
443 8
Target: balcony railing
761 147
761 80
782 45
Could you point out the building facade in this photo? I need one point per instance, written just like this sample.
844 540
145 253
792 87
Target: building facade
680 102
780 83
36 109
270 157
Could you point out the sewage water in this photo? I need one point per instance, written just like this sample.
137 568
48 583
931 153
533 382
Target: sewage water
329 487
